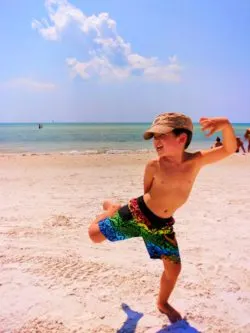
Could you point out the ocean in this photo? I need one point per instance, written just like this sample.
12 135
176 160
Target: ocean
88 138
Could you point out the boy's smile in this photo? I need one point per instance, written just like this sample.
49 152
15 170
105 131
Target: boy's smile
159 147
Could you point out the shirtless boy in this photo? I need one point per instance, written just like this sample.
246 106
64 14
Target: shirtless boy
168 181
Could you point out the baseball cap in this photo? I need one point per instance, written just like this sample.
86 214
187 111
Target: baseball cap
166 122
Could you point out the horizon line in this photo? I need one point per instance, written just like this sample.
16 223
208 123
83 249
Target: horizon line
91 122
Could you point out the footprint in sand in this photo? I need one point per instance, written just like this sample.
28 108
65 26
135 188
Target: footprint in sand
43 326
59 221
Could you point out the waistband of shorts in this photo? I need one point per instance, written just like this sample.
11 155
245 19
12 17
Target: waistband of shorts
154 219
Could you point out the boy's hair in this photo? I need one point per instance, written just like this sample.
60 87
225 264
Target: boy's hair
179 131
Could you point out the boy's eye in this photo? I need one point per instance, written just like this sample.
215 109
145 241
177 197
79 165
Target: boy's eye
159 136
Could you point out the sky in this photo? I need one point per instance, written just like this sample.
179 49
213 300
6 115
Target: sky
123 61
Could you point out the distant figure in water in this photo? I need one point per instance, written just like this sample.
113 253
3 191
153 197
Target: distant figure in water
247 137
40 126
240 145
217 143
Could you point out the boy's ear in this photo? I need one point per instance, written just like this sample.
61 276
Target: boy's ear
183 138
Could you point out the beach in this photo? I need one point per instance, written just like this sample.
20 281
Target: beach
53 279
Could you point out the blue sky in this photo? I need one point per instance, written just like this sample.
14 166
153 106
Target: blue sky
110 60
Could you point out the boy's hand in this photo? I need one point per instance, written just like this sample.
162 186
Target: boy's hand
213 124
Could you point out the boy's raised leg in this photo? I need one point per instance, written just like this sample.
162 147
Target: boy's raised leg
94 231
167 283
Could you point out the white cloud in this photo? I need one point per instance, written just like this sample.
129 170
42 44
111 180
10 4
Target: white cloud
170 72
47 31
137 61
29 84
97 66
111 56
60 13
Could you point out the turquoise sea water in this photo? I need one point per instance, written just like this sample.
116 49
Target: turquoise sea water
87 137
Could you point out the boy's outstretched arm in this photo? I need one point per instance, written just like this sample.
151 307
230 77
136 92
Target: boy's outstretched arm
213 125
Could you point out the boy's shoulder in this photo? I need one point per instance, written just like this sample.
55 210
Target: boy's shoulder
153 163
192 156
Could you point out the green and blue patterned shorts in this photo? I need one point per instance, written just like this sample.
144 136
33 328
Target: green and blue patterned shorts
137 220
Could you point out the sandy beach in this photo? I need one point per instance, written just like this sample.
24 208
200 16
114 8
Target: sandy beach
53 279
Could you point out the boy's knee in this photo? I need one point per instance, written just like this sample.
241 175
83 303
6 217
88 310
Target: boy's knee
91 233
95 234
173 272
178 268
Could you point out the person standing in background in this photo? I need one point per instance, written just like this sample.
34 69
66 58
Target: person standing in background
240 145
247 137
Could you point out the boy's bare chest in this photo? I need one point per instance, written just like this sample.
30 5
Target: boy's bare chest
170 178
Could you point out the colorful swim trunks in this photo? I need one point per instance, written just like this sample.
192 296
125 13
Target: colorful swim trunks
137 220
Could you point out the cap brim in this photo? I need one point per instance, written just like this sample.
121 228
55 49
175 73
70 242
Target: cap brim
157 129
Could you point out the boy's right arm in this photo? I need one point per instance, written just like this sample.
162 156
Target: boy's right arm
229 140
149 175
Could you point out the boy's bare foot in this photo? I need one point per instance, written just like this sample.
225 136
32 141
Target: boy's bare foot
171 313
109 206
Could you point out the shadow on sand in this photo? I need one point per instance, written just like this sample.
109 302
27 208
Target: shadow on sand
181 326
129 326
131 322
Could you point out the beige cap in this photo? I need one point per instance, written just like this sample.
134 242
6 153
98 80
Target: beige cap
166 122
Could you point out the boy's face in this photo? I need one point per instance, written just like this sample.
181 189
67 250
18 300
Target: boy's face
169 144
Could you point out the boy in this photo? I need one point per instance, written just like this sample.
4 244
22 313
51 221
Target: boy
168 181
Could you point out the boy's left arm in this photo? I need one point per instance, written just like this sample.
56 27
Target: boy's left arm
229 146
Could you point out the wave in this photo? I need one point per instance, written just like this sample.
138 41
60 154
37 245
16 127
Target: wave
81 152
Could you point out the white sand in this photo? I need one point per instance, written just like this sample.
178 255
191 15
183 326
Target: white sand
53 279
